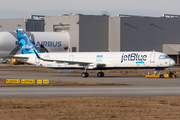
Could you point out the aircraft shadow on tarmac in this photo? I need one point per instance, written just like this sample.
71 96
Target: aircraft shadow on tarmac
106 76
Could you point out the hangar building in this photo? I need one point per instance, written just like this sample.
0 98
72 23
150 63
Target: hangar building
91 33
140 33
121 33
88 33
34 23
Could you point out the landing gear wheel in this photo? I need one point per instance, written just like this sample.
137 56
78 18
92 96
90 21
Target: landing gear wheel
100 74
87 74
161 76
84 74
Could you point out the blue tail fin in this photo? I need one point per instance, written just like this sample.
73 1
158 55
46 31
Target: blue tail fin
26 45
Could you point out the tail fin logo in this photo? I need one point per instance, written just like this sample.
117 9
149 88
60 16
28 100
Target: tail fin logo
25 43
26 47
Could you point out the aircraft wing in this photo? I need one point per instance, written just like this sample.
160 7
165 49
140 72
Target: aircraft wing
81 63
60 61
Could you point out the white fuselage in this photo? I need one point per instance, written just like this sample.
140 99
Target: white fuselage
109 60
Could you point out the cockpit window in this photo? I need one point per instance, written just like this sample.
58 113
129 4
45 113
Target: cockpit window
164 57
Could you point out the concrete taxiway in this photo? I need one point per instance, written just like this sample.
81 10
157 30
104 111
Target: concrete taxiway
86 91
136 86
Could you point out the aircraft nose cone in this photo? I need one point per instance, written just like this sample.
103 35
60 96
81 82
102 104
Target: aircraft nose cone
172 62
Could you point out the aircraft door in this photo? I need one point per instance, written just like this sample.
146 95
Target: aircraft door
152 58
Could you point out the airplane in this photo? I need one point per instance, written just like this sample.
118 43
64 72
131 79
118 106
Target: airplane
91 60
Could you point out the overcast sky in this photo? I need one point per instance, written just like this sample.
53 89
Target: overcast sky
25 8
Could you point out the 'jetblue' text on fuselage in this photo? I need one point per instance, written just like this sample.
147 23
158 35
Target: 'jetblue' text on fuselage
49 43
133 57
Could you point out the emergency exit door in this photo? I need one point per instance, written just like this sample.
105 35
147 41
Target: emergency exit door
152 58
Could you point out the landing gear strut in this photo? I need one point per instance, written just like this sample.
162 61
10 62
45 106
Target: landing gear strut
85 74
100 74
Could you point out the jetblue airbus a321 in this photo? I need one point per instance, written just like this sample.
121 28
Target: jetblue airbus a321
92 60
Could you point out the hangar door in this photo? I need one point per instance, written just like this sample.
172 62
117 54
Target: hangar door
61 27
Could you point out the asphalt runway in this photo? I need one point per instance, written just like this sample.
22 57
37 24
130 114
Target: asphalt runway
136 86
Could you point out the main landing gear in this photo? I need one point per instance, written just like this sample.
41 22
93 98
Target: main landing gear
85 74
100 74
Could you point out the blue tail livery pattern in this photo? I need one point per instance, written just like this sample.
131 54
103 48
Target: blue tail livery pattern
26 45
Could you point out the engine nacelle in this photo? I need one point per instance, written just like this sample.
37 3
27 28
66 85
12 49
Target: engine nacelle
92 66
